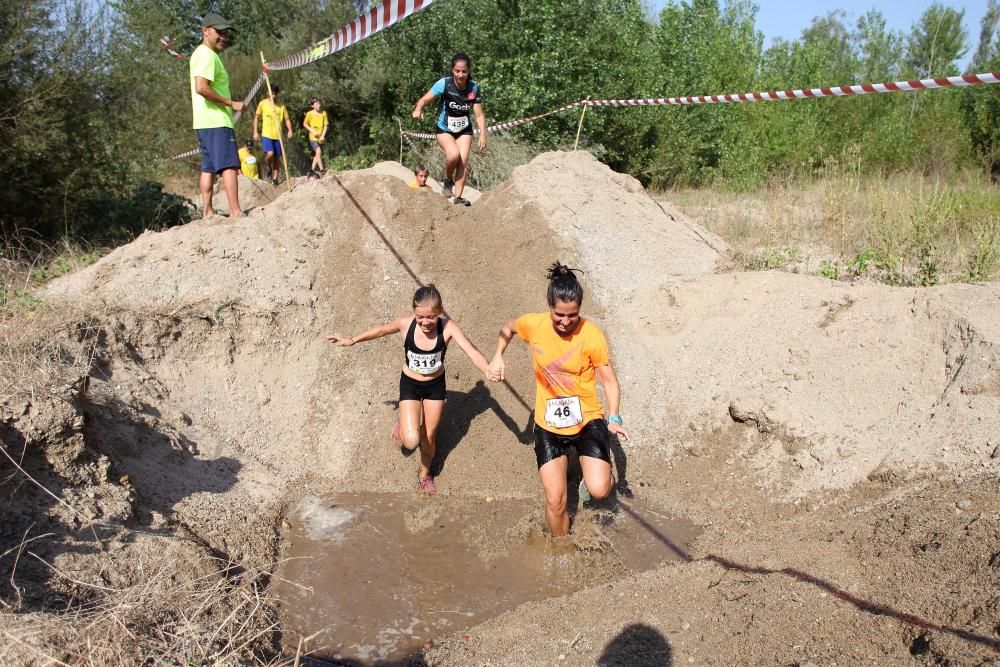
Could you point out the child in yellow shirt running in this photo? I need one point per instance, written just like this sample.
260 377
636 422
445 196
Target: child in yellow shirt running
316 124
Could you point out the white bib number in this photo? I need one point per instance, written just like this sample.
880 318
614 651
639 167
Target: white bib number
457 123
251 160
563 412
425 364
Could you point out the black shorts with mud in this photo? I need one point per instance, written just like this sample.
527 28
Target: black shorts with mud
460 133
421 390
592 440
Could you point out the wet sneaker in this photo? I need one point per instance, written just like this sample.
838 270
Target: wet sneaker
463 201
446 187
427 485
583 493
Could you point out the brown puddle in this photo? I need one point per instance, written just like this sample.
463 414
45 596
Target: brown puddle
372 577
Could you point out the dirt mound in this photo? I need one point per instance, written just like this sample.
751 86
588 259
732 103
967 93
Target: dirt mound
799 420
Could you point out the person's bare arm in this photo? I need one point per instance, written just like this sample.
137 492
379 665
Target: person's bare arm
613 393
418 111
387 329
498 370
471 350
477 109
203 87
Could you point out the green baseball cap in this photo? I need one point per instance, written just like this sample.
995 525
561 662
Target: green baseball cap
214 20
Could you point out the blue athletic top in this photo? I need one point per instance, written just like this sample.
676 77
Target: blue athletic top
456 105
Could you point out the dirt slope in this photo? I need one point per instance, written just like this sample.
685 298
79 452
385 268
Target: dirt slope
836 441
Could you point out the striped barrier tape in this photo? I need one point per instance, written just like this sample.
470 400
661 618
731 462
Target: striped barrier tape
375 20
766 96
808 93
165 42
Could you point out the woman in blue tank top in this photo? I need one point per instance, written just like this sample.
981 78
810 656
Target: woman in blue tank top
422 390
460 100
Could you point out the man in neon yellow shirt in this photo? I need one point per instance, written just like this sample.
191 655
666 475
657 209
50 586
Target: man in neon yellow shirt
316 124
273 113
212 106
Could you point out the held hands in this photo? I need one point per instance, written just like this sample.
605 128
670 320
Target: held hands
497 369
342 341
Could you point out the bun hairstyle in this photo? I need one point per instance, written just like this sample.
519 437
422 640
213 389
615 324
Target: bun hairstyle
459 57
563 285
427 295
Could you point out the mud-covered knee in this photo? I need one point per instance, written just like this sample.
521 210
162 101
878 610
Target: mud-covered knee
556 505
601 492
410 440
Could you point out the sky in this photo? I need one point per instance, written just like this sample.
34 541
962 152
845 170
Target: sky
787 19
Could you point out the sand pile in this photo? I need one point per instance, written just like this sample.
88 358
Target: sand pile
777 410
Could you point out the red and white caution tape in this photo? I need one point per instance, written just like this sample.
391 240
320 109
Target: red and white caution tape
165 41
189 153
809 93
766 96
376 19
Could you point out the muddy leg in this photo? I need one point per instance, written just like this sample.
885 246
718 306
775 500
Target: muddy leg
409 424
597 476
553 476
428 440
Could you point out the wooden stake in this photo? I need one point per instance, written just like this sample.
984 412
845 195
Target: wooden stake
580 126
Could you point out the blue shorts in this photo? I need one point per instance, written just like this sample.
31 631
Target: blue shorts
315 144
218 149
271 145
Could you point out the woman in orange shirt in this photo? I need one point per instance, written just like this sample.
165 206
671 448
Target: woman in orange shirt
570 355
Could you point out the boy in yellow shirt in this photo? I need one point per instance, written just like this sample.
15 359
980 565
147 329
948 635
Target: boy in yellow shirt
273 113
248 161
420 174
316 125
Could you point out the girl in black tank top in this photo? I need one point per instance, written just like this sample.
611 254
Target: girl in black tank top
422 389
419 360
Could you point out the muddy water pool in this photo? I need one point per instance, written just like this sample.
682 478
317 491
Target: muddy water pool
373 577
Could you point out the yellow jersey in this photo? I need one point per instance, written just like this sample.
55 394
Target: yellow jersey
248 163
317 122
272 118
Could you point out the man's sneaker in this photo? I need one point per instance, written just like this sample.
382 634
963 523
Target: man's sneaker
446 187
583 492
463 201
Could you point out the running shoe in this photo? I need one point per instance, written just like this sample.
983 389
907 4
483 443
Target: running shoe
427 485
463 201
446 187
583 492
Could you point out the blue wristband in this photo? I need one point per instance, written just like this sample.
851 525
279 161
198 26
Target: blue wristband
616 419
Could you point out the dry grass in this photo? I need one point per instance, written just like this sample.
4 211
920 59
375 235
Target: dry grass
170 615
904 230
40 340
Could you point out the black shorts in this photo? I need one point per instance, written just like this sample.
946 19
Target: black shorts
461 133
591 441
421 390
